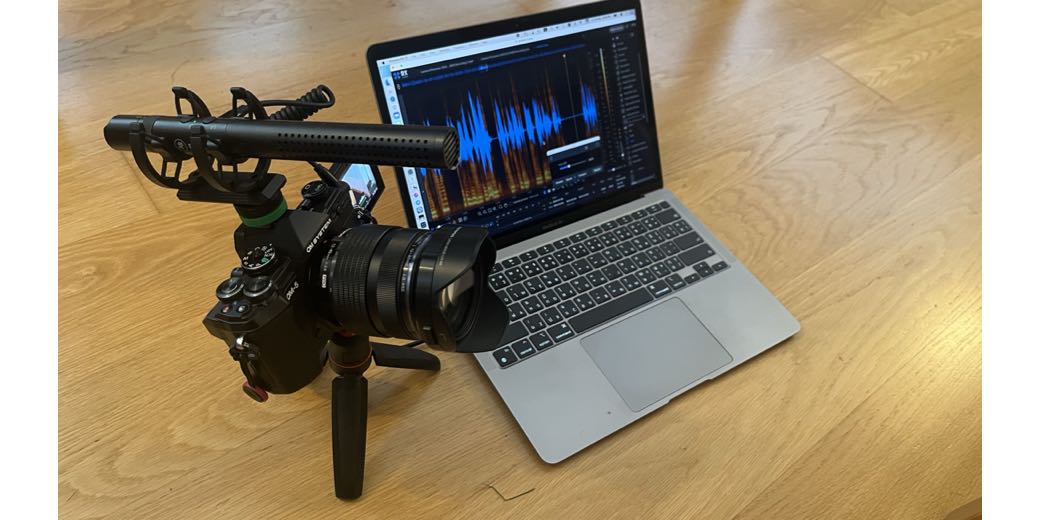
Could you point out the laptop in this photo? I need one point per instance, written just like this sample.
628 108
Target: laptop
620 299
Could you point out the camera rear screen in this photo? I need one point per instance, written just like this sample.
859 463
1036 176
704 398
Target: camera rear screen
363 183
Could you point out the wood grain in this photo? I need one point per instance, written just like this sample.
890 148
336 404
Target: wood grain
833 146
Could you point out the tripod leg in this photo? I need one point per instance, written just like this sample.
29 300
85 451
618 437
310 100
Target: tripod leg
404 357
349 424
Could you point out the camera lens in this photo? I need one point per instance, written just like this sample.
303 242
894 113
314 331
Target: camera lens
408 283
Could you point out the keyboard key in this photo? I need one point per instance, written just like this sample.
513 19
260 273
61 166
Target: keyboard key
627 265
669 233
563 256
692 278
511 262
631 282
675 281
681 226
613 272
659 289
551 316
579 236
596 278
623 233
504 296
505 357
566 272
594 244
627 248
516 311
549 298
719 266
652 209
532 269
582 266
609 239
610 224
692 256
660 270
498 268
551 279
655 253
637 228
670 248
534 323
616 288
541 341
584 302
560 332
655 236
517 292
624 219
515 275
523 348
651 223
561 243
548 262
639 215
611 254
645 276
527 256
513 332
641 242
498 281
579 250
568 309
674 264
534 285
581 284
565 291
667 216
594 231
641 260
609 310
599 295
532 305
688 240
703 269
664 204
546 249
597 260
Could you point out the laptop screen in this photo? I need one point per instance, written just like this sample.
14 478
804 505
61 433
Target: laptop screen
549 119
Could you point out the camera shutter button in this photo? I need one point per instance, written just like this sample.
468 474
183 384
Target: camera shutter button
258 288
229 289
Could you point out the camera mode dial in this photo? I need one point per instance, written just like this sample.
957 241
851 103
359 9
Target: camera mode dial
259 259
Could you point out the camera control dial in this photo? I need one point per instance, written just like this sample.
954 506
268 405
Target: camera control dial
259 259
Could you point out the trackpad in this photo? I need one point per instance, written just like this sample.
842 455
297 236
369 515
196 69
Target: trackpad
655 353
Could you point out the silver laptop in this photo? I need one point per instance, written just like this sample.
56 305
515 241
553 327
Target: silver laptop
620 298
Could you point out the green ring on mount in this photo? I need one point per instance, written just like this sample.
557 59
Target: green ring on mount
264 220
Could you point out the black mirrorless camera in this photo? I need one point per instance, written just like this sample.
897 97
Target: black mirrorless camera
316 281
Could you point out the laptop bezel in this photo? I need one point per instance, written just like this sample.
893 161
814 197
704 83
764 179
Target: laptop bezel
413 44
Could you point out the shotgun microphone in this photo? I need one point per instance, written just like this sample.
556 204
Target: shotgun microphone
236 139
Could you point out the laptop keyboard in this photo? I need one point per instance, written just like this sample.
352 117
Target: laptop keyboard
556 291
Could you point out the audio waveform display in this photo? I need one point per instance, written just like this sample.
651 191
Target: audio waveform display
506 122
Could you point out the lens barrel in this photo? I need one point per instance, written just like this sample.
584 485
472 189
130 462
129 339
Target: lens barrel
415 284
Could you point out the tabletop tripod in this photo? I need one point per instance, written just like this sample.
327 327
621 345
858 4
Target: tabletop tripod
350 356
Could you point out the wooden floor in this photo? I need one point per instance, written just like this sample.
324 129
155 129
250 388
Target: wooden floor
833 146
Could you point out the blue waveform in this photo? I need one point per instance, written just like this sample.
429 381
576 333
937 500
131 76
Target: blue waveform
588 107
533 122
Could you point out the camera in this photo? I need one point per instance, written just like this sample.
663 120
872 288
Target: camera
316 281
326 267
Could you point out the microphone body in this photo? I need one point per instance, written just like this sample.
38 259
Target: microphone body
391 145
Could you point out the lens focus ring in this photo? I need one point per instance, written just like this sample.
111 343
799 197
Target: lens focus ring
346 273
